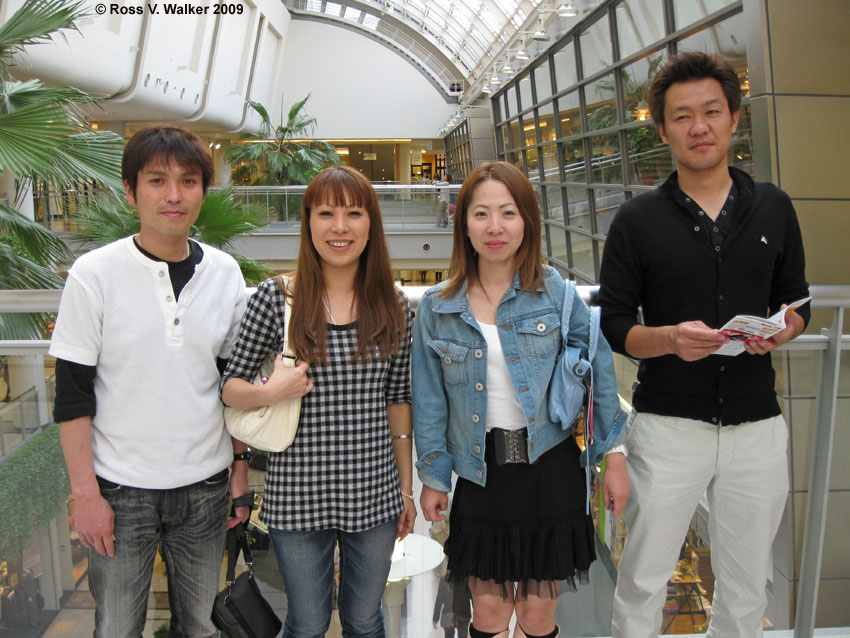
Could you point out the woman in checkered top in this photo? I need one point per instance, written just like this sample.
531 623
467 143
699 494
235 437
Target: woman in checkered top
347 477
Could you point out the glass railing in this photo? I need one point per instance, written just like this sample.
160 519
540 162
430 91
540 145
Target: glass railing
405 207
810 578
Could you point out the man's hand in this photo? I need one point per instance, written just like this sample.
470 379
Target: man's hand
433 502
616 485
238 487
94 521
693 340
794 325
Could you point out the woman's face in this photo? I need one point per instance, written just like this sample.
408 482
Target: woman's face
340 234
493 223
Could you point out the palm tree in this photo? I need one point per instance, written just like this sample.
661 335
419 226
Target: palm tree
221 220
272 154
44 134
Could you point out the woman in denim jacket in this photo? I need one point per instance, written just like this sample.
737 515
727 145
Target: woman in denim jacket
485 346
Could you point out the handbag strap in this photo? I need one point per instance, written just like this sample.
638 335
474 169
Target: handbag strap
283 284
237 540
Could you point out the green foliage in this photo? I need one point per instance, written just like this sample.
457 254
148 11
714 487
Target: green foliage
222 219
273 157
34 488
44 133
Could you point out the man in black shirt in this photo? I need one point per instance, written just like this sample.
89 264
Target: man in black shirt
706 245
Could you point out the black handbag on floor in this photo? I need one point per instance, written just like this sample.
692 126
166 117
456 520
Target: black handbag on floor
240 610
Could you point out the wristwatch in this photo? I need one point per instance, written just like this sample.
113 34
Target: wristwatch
243 456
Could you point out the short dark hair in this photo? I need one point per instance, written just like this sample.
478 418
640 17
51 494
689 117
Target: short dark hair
693 65
166 144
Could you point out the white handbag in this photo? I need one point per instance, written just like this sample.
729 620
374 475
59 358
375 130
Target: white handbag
272 427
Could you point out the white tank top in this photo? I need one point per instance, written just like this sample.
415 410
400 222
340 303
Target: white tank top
503 408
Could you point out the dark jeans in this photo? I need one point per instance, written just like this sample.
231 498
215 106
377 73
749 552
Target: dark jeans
190 521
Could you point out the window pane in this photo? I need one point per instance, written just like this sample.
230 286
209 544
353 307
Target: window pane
565 67
606 160
607 203
595 45
650 161
528 135
601 103
639 24
525 93
550 163
516 138
578 208
506 133
555 203
542 83
533 165
687 11
547 123
582 250
516 160
574 168
727 40
510 96
569 114
557 242
497 109
636 80
742 143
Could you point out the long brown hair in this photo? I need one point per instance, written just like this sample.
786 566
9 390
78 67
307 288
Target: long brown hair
381 324
529 258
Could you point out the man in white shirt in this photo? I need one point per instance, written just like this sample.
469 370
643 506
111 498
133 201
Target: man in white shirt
144 326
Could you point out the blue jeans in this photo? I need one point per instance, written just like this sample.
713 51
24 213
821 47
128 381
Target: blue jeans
306 562
190 521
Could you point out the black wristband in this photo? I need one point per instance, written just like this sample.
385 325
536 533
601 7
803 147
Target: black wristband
242 456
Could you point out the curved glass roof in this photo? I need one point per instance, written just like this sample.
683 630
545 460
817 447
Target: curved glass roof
470 33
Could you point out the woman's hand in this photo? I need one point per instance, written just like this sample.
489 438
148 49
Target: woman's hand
616 484
287 382
407 518
433 502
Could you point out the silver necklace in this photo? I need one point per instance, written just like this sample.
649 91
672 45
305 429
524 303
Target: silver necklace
328 310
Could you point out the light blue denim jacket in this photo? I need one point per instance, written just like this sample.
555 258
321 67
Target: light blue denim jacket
449 370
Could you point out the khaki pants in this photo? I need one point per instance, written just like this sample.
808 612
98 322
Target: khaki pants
743 470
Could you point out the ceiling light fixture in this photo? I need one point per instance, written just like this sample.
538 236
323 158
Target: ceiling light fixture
521 55
567 10
507 68
540 35
495 80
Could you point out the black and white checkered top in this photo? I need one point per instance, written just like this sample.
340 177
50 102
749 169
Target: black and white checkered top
340 471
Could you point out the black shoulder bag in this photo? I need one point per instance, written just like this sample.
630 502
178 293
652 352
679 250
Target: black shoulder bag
240 610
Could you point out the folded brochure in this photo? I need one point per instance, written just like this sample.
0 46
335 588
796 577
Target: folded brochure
742 327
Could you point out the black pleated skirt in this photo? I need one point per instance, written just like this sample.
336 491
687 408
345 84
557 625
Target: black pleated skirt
527 529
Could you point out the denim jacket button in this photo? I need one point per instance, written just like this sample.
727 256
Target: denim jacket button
479 354
479 474
477 449
475 418
541 327
479 386
448 360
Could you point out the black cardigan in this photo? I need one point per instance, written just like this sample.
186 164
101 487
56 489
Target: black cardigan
657 258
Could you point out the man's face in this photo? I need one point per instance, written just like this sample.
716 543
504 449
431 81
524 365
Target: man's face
168 199
697 124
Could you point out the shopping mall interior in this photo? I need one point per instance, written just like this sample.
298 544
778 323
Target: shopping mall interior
415 93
